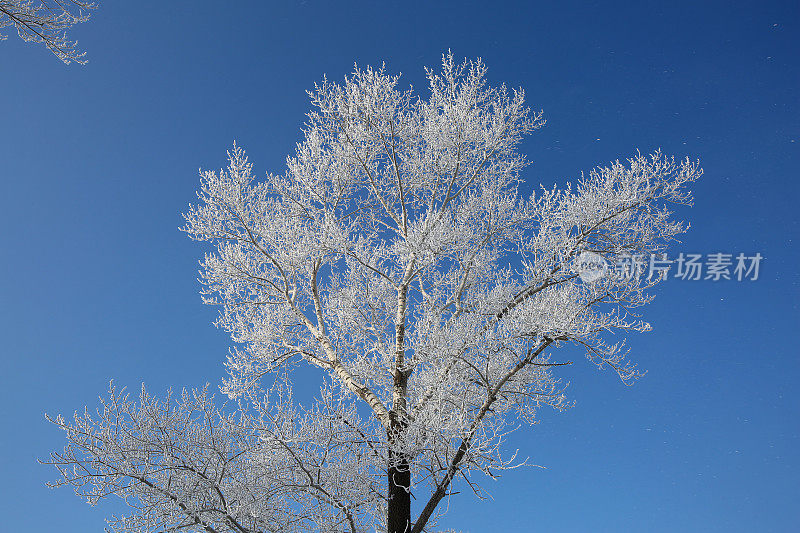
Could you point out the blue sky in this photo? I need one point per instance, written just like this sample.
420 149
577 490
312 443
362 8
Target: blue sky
98 162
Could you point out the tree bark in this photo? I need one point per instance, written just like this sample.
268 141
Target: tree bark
398 518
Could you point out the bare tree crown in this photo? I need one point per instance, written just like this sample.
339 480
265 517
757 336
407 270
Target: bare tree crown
396 254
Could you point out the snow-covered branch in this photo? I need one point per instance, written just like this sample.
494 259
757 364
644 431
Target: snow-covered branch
46 22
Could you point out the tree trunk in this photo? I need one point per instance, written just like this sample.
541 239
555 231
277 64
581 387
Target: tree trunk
398 518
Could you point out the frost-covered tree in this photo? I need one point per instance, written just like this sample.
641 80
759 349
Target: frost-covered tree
397 255
46 22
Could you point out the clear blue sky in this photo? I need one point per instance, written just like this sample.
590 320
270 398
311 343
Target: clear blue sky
98 162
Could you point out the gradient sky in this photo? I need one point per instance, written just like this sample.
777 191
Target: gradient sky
98 162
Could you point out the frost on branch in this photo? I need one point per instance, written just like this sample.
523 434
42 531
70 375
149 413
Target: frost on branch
396 254
47 22
181 464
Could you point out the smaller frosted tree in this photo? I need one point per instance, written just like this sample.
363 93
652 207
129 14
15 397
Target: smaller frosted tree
396 255
46 22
